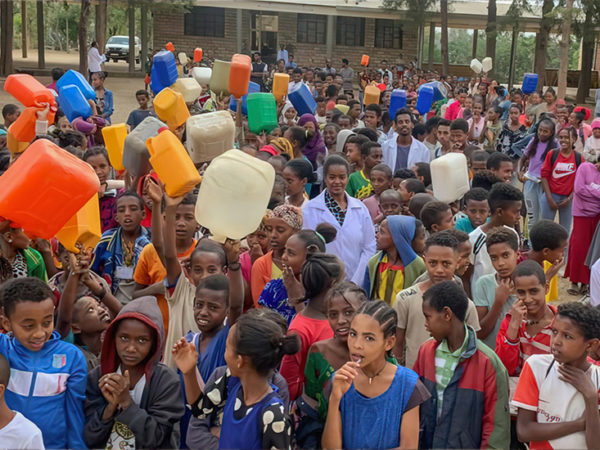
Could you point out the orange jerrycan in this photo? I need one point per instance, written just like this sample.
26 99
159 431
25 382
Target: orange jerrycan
82 231
281 81
372 94
172 163
170 107
44 188
364 61
28 90
14 145
239 75
197 54
23 129
114 140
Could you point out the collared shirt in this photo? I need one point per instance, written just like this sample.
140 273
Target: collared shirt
94 60
445 365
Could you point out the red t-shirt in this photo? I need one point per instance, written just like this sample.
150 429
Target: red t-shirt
561 176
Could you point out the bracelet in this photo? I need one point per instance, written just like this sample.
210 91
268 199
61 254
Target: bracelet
102 294
234 266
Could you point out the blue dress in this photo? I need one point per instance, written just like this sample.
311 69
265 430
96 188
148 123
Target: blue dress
274 296
374 423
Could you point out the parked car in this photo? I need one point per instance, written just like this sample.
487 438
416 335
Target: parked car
117 47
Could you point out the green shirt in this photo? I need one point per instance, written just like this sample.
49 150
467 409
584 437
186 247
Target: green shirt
445 364
359 186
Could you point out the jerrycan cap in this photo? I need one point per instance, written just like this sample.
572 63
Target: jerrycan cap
161 129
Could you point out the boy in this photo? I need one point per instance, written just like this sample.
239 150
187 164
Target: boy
390 204
478 161
548 242
494 293
443 136
423 172
441 259
49 375
436 216
321 113
372 118
491 130
468 407
501 165
354 113
119 249
557 394
359 183
431 138
138 115
401 174
408 188
459 131
10 113
16 432
353 151
477 210
381 180
505 203
416 204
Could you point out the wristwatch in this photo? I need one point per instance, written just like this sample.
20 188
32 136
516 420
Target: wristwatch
234 266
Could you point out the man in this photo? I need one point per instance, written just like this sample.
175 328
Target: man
259 71
296 79
291 64
282 53
328 70
347 74
402 151
383 70
95 60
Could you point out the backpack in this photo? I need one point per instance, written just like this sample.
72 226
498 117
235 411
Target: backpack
555 153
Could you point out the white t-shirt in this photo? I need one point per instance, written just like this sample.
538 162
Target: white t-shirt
21 433
94 60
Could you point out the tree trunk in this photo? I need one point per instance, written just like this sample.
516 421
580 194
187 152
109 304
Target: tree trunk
6 35
491 31
40 35
541 43
131 13
82 34
474 50
100 24
587 56
24 28
431 45
564 50
444 40
145 36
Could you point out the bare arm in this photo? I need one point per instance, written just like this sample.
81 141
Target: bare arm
409 430
332 434
171 261
528 429
154 289
65 306
399 347
236 280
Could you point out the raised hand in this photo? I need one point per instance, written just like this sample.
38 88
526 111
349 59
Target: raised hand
343 379
518 311
293 286
153 189
232 250
579 380
554 268
185 356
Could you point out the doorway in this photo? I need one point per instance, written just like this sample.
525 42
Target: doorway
264 35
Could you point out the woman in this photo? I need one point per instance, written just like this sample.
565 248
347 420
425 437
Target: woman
17 255
297 174
104 97
315 146
298 137
355 241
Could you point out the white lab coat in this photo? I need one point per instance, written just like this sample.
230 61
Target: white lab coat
95 59
417 153
355 240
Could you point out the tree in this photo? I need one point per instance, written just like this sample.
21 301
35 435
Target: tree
592 14
541 43
491 31
100 23
564 49
84 17
6 35
444 40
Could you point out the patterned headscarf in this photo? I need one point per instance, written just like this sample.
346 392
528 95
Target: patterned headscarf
263 221
291 215
283 145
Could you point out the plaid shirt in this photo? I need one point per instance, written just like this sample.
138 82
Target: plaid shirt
445 364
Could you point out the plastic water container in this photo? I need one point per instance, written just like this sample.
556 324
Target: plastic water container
219 79
114 141
14 145
209 135
164 71
262 112
23 129
372 94
73 103
136 158
397 101
234 195
171 162
170 107
486 64
530 81
425 99
439 90
281 82
170 47
302 99
44 188
182 57
197 54
83 230
28 90
476 66
239 75
364 61
189 88
450 177
202 75
77 79
252 87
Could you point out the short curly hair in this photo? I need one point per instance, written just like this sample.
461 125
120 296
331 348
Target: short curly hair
584 316
20 290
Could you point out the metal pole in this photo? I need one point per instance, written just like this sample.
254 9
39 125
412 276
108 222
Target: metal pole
40 34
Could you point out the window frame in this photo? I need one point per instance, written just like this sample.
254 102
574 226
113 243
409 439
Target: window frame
206 21
382 27
350 31
315 21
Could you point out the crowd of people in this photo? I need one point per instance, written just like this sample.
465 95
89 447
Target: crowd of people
361 313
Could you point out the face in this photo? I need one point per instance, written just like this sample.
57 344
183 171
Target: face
64 124
336 179
379 181
553 256
443 135
344 123
440 262
461 98
445 222
309 126
296 77
567 343
458 138
17 238
477 109
92 316
134 340
437 323
384 237
468 103
294 184
510 216
390 206
549 97
185 222
504 259
321 108
32 323
259 237
418 242
280 232
477 211
101 166
210 309
340 312
97 81
464 257
370 118
482 89
354 111
404 125
386 97
290 113
532 293
204 264
564 139
329 135
514 114
142 101
492 116
366 342
406 196
375 157
544 132
129 213
596 133
505 171
294 254
278 192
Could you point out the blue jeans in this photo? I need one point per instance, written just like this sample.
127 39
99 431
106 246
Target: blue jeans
565 218
534 195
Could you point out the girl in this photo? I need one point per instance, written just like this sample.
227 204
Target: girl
530 168
330 133
23 260
104 97
297 173
298 137
373 403
285 295
253 414
285 221
591 150
512 130
319 273
558 178
258 245
315 147
288 115
477 121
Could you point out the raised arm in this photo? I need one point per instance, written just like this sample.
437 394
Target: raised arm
236 280
171 261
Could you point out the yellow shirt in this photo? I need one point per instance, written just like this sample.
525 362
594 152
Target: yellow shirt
552 294
387 273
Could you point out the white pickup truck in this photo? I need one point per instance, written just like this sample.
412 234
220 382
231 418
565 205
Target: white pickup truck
117 47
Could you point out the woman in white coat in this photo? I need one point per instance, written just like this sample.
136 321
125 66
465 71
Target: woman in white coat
355 240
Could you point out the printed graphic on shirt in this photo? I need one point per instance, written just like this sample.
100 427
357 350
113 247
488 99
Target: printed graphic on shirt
563 169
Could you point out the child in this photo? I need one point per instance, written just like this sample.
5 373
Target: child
494 293
408 188
501 166
50 388
436 216
557 394
319 273
441 259
459 130
132 399
401 174
104 97
526 329
505 203
477 210
477 121
381 180
396 266
255 346
558 179
591 150
373 403
511 132
464 258
297 173
16 432
478 161
390 204
491 130
359 183
10 113
138 115
353 151
468 407
423 172
418 202
97 157
119 249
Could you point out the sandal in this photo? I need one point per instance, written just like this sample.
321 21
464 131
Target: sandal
573 290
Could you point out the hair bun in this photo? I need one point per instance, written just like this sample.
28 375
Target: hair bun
290 344
327 232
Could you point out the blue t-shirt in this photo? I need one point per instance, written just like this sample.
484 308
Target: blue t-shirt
402 159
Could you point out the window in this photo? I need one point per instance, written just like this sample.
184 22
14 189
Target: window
388 33
204 21
311 29
350 31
